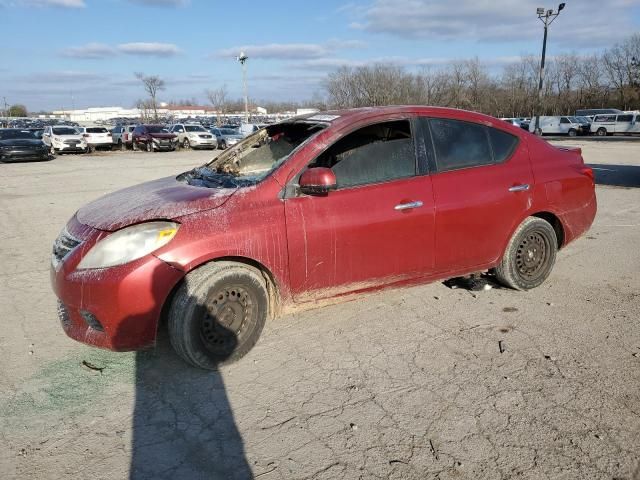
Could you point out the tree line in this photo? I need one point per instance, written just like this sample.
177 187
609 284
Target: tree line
610 79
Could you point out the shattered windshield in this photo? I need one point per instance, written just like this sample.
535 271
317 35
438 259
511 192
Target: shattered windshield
262 152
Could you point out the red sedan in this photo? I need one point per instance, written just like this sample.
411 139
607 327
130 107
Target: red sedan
315 207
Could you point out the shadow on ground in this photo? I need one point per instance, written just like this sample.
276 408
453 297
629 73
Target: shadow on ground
183 425
617 175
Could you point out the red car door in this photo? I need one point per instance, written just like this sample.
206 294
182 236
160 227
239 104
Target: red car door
482 191
376 228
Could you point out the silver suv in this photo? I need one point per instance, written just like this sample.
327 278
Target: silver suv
193 136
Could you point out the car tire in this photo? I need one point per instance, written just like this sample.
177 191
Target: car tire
121 146
223 145
149 146
52 150
530 255
186 144
573 133
218 313
90 149
602 132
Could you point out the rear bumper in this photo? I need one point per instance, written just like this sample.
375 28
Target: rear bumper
126 301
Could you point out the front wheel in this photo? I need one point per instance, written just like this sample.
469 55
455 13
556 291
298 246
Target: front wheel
149 147
530 255
218 313
602 132
573 133
223 145
186 144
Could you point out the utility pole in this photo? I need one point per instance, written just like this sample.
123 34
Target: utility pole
243 60
547 17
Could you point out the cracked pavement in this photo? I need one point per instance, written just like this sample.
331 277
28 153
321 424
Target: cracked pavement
401 384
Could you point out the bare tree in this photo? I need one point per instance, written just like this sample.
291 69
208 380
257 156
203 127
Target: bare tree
152 85
220 101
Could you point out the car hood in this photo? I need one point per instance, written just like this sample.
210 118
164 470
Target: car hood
165 198
21 142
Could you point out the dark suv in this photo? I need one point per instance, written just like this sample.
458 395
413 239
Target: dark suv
153 137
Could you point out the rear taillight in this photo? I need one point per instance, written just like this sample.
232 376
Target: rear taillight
587 171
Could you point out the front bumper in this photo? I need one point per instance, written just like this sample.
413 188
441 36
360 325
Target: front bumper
23 155
126 300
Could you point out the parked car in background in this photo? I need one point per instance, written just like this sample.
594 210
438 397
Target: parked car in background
248 128
556 125
21 146
122 136
64 139
153 137
313 208
592 112
96 137
609 124
193 136
226 137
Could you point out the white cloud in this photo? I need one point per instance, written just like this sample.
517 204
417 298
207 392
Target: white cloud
588 23
44 3
101 50
291 51
149 49
90 50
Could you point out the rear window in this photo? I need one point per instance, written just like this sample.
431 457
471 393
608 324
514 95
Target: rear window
459 144
503 143
97 130
65 131
194 128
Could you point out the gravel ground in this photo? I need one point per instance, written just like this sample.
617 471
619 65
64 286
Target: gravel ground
419 383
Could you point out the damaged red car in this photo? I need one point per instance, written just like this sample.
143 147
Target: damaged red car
316 207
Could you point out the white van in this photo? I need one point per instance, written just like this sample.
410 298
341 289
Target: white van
609 124
557 126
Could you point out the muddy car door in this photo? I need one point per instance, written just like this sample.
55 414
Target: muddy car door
482 188
375 228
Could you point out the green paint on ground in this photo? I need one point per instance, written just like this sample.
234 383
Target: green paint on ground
68 387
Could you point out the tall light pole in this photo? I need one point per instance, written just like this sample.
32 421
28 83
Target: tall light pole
547 17
242 58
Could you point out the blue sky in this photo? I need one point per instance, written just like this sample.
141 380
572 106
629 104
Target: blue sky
82 53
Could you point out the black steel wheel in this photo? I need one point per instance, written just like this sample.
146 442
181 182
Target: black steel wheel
530 255
218 313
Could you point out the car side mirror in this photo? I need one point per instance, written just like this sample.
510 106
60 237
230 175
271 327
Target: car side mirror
318 181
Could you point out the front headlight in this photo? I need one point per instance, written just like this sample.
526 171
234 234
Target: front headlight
129 244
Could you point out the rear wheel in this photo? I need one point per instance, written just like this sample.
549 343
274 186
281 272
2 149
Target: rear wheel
602 132
573 133
223 145
530 255
218 313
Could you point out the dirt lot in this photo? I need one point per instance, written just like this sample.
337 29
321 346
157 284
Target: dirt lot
404 384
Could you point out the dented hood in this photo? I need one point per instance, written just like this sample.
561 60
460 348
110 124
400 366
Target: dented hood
166 198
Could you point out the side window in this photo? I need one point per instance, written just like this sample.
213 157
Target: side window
503 144
459 144
564 120
624 118
374 154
